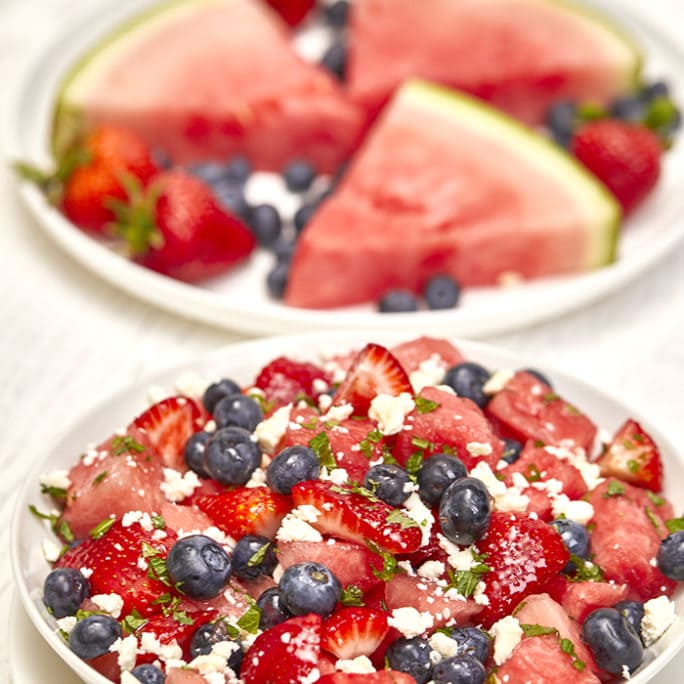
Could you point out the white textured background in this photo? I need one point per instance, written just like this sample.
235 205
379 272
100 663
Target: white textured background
66 337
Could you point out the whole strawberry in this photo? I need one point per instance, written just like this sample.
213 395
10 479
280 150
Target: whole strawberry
178 228
624 156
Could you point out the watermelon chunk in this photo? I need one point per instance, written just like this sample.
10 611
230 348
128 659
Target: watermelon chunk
208 80
507 52
445 184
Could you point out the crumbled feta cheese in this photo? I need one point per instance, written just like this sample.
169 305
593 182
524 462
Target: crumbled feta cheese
140 517
579 511
659 614
127 649
86 572
270 431
51 550
505 498
177 486
338 413
150 644
258 479
429 373
57 479
590 472
415 509
324 402
479 595
444 645
312 677
192 384
359 665
497 381
295 525
432 569
110 603
410 622
337 476
458 559
66 624
507 634
479 448
390 412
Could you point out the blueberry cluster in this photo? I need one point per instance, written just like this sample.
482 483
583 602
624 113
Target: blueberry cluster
440 292
334 59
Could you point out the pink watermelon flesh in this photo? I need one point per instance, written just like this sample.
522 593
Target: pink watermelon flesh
425 196
519 55
220 80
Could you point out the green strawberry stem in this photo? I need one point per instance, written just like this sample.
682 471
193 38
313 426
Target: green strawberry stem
136 217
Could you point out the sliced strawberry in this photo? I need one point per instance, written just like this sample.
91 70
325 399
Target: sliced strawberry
354 631
633 456
285 653
346 514
245 510
284 381
380 677
523 554
374 371
168 425
414 352
292 11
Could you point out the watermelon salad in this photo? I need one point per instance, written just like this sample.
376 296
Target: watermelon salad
389 514
472 149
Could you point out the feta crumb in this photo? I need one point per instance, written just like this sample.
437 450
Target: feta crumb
429 373
324 402
338 413
590 472
150 644
410 622
659 614
415 509
110 603
312 677
444 645
625 672
389 412
51 550
57 479
140 517
258 479
507 634
271 430
359 665
337 476
191 383
579 511
479 448
458 559
66 624
177 487
295 525
127 649
497 381
507 499
432 569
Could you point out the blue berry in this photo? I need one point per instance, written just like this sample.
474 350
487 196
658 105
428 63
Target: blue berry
148 674
612 641
411 656
335 59
266 224
436 474
238 410
561 120
303 216
92 636
212 633
217 391
670 556
576 539
336 14
293 464
238 170
511 451
232 198
272 611
193 453
630 108
253 556
276 279
231 456
468 379
442 292
198 566
299 175
472 641
283 249
539 375
461 669
398 301
64 590
633 612
655 89
465 511
210 172
309 587
389 482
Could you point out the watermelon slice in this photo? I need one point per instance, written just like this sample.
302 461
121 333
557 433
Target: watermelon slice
208 79
445 184
519 55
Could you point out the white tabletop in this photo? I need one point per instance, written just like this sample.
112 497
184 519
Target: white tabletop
68 337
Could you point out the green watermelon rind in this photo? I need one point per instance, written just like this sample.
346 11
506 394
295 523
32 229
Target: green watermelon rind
602 209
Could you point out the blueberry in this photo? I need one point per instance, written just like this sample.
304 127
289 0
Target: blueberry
211 633
335 59
309 587
276 279
253 556
336 14
265 223
628 108
461 669
670 556
467 379
442 292
299 175
511 451
655 89
472 641
633 612
293 464
561 120
198 566
238 169
436 474
283 249
238 410
398 301
193 453
210 172
411 656
217 390
64 590
232 198
303 216
389 482
231 456
92 636
464 511
148 674
576 539
272 611
539 375
612 641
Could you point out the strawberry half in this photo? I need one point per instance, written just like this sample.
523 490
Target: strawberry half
245 510
356 515
633 456
354 631
374 371
285 653
284 381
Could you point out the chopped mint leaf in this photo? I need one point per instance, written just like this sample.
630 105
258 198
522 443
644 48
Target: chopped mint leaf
615 488
655 499
537 630
157 570
539 443
628 444
572 410
586 570
355 488
133 622
465 581
158 522
550 396
321 447
424 405
351 596
401 519
122 444
389 563
182 618
102 528
387 457
249 620
675 524
311 424
414 463
533 474
56 492
421 443
655 521
259 555
568 647
100 477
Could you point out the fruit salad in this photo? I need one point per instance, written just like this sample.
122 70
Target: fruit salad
389 514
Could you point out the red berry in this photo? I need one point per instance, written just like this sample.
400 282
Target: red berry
354 631
284 381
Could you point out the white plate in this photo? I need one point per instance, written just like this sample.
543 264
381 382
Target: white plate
242 362
239 301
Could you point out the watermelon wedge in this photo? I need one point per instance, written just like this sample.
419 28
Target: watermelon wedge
445 184
208 79
519 55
